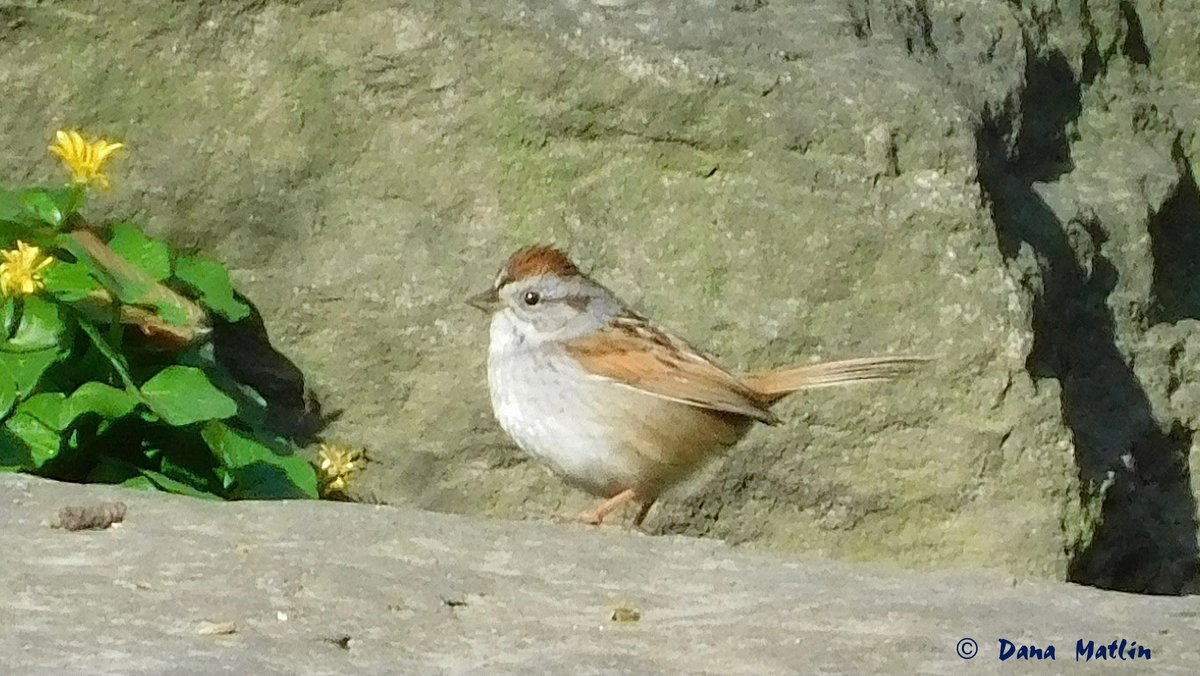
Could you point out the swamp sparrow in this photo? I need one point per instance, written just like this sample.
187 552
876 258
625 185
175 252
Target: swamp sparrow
610 401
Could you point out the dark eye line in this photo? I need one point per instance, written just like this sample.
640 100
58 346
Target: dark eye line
533 298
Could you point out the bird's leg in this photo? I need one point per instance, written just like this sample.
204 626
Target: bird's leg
641 515
596 516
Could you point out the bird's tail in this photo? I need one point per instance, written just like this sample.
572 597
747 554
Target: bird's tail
774 385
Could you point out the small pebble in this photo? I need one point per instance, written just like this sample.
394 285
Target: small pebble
90 517
626 613
216 628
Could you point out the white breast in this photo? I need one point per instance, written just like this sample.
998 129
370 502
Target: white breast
548 405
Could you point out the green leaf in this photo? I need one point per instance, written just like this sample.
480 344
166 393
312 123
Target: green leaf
9 315
26 368
70 282
258 471
35 345
14 452
41 438
10 232
48 407
43 207
152 256
284 478
183 395
107 402
113 471
175 486
42 326
171 313
115 358
8 394
125 288
233 449
69 199
137 483
49 206
192 467
210 280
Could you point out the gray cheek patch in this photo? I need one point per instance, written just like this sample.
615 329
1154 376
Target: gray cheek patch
577 303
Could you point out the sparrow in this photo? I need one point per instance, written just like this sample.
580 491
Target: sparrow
612 402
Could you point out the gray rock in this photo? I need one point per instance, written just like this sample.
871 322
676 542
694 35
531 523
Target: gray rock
1007 185
187 586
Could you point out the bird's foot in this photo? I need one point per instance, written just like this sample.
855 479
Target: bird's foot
597 515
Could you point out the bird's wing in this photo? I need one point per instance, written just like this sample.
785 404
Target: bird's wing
633 352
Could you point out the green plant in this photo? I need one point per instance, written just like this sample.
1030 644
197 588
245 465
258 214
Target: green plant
106 370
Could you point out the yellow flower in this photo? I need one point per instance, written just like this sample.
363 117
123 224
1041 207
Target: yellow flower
84 158
337 465
20 273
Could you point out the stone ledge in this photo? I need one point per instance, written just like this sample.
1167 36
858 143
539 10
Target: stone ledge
324 588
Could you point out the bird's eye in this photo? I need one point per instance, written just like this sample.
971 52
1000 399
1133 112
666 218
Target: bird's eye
532 297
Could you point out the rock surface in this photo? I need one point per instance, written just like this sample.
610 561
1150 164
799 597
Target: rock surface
1009 185
192 587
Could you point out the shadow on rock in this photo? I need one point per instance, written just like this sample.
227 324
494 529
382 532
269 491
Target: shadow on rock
1146 538
1175 240
245 350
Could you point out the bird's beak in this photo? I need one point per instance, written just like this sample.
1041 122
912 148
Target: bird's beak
486 301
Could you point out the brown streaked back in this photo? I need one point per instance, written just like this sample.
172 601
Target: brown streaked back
635 353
